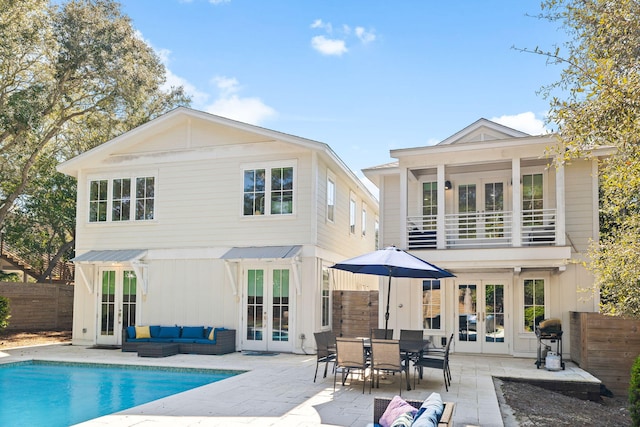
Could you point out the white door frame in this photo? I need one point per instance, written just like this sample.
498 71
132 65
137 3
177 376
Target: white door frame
114 322
480 333
269 337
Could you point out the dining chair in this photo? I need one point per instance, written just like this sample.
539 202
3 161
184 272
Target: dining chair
435 361
350 355
323 353
385 356
382 334
411 335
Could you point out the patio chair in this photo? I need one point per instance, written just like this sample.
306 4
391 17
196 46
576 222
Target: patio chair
323 352
411 335
350 355
434 361
385 356
382 334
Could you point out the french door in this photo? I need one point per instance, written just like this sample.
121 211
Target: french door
486 220
117 304
267 308
482 316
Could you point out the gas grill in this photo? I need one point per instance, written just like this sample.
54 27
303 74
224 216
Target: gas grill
549 331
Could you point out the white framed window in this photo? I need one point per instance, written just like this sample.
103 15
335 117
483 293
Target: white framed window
532 198
376 229
331 198
352 214
533 303
432 304
364 220
325 298
268 190
116 193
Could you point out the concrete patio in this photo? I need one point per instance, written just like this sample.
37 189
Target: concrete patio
278 390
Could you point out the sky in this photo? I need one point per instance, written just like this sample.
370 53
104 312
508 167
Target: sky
363 76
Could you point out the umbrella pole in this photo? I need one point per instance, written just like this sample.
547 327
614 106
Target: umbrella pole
386 315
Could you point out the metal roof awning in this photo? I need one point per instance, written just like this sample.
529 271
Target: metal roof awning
262 252
121 255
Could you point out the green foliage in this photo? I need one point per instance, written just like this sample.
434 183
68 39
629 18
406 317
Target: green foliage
600 113
634 393
4 312
73 75
9 277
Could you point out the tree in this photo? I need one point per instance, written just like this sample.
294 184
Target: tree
600 108
72 76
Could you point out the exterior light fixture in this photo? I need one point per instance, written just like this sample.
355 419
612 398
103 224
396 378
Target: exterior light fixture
447 185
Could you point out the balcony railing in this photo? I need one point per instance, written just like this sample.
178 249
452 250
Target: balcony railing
482 229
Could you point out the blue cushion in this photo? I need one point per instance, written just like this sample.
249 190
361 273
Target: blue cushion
169 332
207 331
204 341
155 331
430 412
183 340
192 332
139 339
131 332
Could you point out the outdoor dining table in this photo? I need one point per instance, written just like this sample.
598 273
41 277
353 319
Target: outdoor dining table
409 350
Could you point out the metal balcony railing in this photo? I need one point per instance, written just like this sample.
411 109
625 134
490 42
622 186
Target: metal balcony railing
482 229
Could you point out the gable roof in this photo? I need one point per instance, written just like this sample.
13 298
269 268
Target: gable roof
482 130
119 144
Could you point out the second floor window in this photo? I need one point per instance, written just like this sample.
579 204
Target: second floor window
532 199
429 199
352 216
116 193
331 200
364 221
268 191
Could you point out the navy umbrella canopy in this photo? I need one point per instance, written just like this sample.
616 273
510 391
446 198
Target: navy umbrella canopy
392 262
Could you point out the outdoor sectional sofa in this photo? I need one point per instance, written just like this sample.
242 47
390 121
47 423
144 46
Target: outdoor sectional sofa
191 339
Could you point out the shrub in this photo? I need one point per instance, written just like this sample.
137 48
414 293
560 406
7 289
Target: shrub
4 312
634 393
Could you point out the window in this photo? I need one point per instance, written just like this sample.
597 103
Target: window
117 194
326 298
98 201
376 229
532 199
533 304
331 199
364 220
352 215
277 183
121 201
429 198
431 304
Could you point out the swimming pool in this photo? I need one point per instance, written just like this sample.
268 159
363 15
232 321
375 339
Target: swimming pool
39 393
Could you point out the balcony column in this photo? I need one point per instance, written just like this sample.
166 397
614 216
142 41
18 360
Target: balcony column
440 223
516 190
404 244
561 239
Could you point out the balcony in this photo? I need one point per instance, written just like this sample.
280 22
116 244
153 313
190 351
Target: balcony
483 230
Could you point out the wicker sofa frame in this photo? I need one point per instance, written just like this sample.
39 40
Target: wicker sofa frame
380 405
225 343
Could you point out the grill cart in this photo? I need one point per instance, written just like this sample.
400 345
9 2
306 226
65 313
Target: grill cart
549 331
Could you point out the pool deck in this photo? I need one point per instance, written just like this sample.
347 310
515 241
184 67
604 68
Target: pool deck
278 390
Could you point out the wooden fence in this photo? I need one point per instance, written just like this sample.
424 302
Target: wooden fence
39 306
355 313
606 347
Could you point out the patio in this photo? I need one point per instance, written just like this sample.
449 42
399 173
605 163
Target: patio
279 390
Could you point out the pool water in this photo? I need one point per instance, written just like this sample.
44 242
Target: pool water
51 394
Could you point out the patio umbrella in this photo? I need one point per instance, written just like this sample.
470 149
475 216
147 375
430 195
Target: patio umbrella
392 262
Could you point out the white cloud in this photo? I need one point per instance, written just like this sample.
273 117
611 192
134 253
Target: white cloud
219 1
336 44
329 46
229 104
524 122
364 35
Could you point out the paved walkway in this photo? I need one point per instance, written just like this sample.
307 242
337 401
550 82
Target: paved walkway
279 390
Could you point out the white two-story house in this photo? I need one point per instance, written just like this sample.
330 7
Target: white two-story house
490 206
197 220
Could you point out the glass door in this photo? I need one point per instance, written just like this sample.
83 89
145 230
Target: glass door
481 317
267 308
117 299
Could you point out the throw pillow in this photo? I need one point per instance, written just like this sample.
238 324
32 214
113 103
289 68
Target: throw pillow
212 334
430 412
143 332
404 420
131 332
396 407
192 332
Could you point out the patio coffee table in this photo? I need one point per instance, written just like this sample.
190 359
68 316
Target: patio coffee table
158 349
